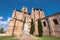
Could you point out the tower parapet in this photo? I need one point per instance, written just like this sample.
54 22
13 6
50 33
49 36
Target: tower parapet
24 9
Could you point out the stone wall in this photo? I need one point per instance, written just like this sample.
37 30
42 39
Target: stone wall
51 28
55 28
10 27
45 28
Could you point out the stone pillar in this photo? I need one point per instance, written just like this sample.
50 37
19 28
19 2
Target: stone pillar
36 28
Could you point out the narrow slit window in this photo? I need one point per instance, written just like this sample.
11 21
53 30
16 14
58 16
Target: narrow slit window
44 23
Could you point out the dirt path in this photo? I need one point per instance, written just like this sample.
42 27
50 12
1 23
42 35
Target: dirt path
26 37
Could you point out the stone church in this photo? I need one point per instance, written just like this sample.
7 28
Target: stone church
50 24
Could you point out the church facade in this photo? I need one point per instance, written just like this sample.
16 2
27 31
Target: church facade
50 24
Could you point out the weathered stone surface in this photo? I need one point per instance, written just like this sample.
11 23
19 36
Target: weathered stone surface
19 16
18 19
26 37
10 28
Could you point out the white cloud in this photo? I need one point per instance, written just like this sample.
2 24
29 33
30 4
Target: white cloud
8 19
1 17
4 23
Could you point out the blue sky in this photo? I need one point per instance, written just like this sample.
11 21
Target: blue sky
6 7
49 6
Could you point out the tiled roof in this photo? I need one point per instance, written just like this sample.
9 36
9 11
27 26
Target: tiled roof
54 14
57 13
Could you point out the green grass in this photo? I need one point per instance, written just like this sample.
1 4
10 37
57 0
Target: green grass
48 38
6 38
39 38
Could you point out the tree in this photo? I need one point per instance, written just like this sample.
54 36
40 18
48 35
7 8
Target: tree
32 27
40 31
1 30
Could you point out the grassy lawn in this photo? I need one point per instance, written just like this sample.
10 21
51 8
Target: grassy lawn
6 38
39 38
48 38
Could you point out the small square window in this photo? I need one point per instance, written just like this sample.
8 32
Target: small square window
55 21
44 23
